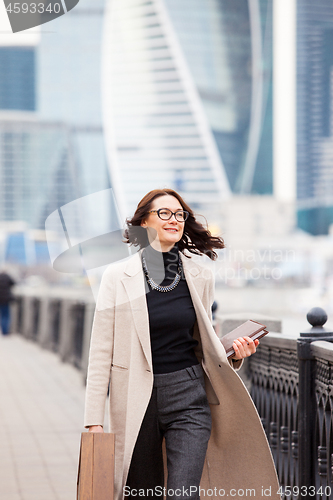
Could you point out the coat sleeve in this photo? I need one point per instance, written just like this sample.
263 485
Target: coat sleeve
100 352
236 364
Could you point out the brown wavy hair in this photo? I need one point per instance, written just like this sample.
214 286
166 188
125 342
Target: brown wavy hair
196 238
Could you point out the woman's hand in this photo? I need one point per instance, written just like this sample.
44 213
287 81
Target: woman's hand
96 428
244 347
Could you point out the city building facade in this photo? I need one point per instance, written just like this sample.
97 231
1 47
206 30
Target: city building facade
315 115
187 99
37 168
17 81
68 88
51 138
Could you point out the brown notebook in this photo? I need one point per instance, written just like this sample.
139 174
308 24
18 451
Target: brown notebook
250 328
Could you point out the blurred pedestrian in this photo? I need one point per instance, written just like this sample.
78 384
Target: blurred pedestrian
6 296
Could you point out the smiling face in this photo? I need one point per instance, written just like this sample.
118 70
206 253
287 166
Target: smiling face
168 231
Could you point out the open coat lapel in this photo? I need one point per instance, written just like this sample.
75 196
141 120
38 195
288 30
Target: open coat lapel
135 287
134 284
195 282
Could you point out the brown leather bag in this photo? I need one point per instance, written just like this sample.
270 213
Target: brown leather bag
95 479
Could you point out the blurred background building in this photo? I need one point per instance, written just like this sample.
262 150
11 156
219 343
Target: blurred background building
315 115
187 94
68 83
18 76
52 149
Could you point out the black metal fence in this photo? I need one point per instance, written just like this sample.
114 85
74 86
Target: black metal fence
60 324
291 385
324 413
292 388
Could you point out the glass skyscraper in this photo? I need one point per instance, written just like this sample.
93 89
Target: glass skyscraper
51 137
17 78
68 87
315 115
37 170
159 93
228 47
187 98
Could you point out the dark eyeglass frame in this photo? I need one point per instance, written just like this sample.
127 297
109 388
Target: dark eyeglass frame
186 214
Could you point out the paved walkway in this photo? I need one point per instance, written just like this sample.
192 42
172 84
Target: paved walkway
41 418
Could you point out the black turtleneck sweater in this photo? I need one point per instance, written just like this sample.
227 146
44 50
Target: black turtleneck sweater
171 315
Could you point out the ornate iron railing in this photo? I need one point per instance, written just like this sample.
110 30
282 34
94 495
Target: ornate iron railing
291 385
274 389
292 388
324 416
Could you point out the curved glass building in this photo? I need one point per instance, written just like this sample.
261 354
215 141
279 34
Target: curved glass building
187 98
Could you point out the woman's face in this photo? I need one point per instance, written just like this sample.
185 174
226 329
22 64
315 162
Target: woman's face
165 233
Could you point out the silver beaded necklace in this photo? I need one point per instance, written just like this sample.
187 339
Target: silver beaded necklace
160 288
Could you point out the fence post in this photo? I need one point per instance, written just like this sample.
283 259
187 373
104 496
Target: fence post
307 405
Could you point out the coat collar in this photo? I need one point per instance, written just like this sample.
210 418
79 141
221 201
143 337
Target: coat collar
134 265
134 283
190 266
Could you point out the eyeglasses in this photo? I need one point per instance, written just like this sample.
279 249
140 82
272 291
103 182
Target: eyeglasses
166 214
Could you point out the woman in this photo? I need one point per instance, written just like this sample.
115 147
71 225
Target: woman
170 380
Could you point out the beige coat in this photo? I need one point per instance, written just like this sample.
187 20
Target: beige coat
238 456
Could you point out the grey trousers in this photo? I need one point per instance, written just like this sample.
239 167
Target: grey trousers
179 411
